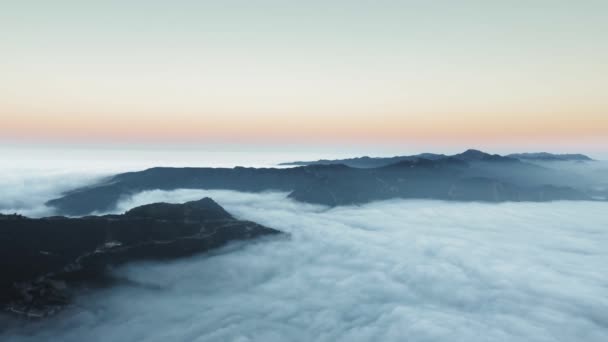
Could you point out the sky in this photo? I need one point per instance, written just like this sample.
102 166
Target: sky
435 74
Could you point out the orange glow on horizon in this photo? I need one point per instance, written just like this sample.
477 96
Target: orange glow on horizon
439 128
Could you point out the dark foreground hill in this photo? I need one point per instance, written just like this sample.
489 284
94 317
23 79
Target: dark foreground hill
469 176
43 259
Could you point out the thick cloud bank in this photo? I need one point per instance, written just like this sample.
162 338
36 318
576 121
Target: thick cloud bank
388 271
26 190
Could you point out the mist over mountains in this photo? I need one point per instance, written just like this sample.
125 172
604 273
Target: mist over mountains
44 260
469 176
380 269
425 270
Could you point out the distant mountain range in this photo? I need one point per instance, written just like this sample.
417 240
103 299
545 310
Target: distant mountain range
544 156
469 155
42 260
469 176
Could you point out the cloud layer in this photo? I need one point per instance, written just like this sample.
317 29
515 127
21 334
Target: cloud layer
387 271
31 176
25 191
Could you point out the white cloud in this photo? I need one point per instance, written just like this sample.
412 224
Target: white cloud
25 190
388 271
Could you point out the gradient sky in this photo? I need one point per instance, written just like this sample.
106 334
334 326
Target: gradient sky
478 73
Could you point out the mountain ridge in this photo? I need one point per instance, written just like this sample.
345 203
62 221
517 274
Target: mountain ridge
544 156
43 259
470 154
508 179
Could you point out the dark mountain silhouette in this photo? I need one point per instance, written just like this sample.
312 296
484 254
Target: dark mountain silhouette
469 155
476 155
42 259
469 176
368 162
544 156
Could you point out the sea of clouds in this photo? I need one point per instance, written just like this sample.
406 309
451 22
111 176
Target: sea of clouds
399 270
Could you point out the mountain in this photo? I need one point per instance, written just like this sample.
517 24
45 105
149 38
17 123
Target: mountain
368 162
469 176
41 260
476 156
544 156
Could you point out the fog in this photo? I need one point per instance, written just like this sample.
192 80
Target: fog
415 270
31 176
593 175
25 190
386 271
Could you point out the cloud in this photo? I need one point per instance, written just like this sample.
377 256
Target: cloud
25 190
387 271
